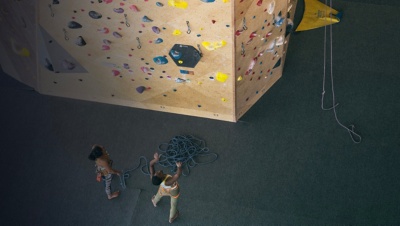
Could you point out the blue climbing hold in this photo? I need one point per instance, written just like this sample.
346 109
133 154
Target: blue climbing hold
160 60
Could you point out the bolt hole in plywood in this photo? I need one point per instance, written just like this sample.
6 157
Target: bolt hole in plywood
202 58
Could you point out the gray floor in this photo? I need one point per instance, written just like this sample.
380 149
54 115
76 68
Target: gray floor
287 162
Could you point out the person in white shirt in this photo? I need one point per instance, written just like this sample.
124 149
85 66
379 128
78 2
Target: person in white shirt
168 186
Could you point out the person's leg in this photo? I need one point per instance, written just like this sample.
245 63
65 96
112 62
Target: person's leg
107 183
173 213
157 197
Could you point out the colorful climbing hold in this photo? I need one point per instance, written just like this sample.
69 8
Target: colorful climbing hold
156 30
146 19
176 32
74 25
68 65
106 42
221 77
116 72
95 15
158 41
213 45
178 4
140 89
104 30
117 35
160 60
118 10
134 8
80 41
22 51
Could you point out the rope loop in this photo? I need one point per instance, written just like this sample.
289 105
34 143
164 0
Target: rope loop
186 149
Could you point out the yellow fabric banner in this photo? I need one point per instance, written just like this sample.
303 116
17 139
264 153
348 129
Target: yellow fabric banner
317 15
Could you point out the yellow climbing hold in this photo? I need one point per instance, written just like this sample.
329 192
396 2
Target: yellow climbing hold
180 61
223 99
225 1
221 77
239 78
22 51
178 4
176 32
213 45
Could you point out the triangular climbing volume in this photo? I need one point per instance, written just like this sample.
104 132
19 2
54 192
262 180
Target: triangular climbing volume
61 60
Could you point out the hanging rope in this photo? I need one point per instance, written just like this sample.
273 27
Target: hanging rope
185 149
354 136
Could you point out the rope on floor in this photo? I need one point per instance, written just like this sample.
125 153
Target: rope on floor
125 174
185 149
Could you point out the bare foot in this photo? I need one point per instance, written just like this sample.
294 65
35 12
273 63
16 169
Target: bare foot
113 195
174 217
154 202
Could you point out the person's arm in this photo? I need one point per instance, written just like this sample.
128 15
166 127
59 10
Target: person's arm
152 162
170 181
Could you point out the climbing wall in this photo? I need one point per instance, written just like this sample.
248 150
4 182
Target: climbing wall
262 34
146 54
205 58
18 40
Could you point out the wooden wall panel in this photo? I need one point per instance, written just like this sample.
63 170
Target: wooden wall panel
260 36
18 41
111 56
198 90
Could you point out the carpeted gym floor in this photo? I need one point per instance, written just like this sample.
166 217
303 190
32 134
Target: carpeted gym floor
286 162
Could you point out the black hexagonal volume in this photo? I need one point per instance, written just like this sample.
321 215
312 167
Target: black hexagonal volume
185 55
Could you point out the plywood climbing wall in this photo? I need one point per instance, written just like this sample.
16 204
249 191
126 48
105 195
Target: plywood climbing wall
18 40
262 35
205 58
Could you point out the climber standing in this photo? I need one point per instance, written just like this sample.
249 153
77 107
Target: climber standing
104 168
168 186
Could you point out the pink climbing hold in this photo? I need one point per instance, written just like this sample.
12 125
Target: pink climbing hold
134 8
145 69
238 32
116 72
105 47
104 30
259 2
108 1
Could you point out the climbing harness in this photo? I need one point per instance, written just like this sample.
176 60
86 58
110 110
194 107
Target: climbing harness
354 136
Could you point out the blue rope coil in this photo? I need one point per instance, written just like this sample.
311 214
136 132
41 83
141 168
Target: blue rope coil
185 149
